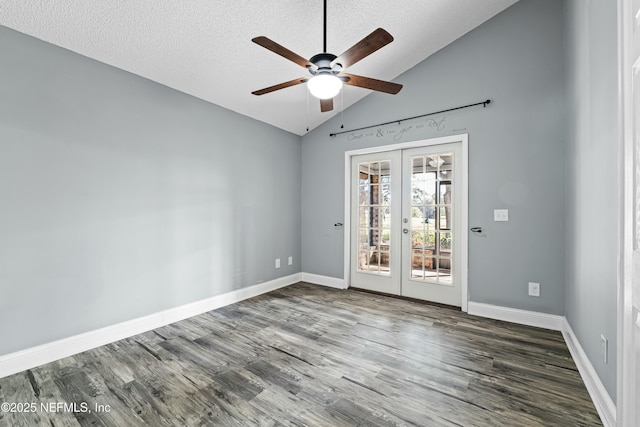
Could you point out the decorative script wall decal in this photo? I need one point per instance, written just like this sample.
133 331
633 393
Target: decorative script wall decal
398 134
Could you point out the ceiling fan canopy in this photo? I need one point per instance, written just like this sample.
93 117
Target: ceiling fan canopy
326 69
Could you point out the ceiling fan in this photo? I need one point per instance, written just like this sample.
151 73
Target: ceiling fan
326 69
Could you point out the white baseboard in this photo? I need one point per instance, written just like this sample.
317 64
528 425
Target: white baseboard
317 279
29 358
601 399
514 315
599 395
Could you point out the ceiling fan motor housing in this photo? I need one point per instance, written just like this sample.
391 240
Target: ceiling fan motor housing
323 62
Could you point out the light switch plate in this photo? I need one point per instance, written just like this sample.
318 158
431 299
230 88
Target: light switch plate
501 214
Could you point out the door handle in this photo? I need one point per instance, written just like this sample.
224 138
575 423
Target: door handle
476 229
405 230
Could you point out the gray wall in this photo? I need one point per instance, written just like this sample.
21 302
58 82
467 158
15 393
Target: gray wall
591 179
120 197
516 150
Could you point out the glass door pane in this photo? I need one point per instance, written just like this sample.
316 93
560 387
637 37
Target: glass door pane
432 187
374 218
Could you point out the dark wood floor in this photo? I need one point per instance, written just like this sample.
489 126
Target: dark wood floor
309 355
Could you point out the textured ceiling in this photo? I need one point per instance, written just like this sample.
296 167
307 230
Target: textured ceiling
204 48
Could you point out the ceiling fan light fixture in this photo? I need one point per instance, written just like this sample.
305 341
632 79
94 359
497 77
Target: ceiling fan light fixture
324 86
436 162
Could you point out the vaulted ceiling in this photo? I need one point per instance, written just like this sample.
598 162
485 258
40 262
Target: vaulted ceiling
204 48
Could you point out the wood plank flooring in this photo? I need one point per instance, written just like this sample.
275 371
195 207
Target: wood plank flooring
309 355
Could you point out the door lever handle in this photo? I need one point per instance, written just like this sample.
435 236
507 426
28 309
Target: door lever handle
476 229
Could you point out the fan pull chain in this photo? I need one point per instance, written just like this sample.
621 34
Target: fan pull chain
342 108
307 110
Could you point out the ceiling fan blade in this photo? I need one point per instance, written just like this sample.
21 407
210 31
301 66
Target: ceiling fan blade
363 48
274 47
273 88
326 105
373 84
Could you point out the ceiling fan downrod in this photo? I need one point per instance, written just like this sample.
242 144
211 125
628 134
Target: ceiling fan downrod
324 46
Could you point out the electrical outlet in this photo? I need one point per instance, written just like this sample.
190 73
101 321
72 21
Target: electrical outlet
290 260
277 262
534 289
604 349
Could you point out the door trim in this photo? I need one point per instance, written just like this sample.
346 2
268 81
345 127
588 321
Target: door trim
627 367
463 139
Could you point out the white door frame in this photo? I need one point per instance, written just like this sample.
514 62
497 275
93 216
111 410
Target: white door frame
463 139
627 367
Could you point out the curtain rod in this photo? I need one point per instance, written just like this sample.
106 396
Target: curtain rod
483 103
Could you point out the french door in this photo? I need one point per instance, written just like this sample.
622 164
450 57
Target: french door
375 249
406 215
